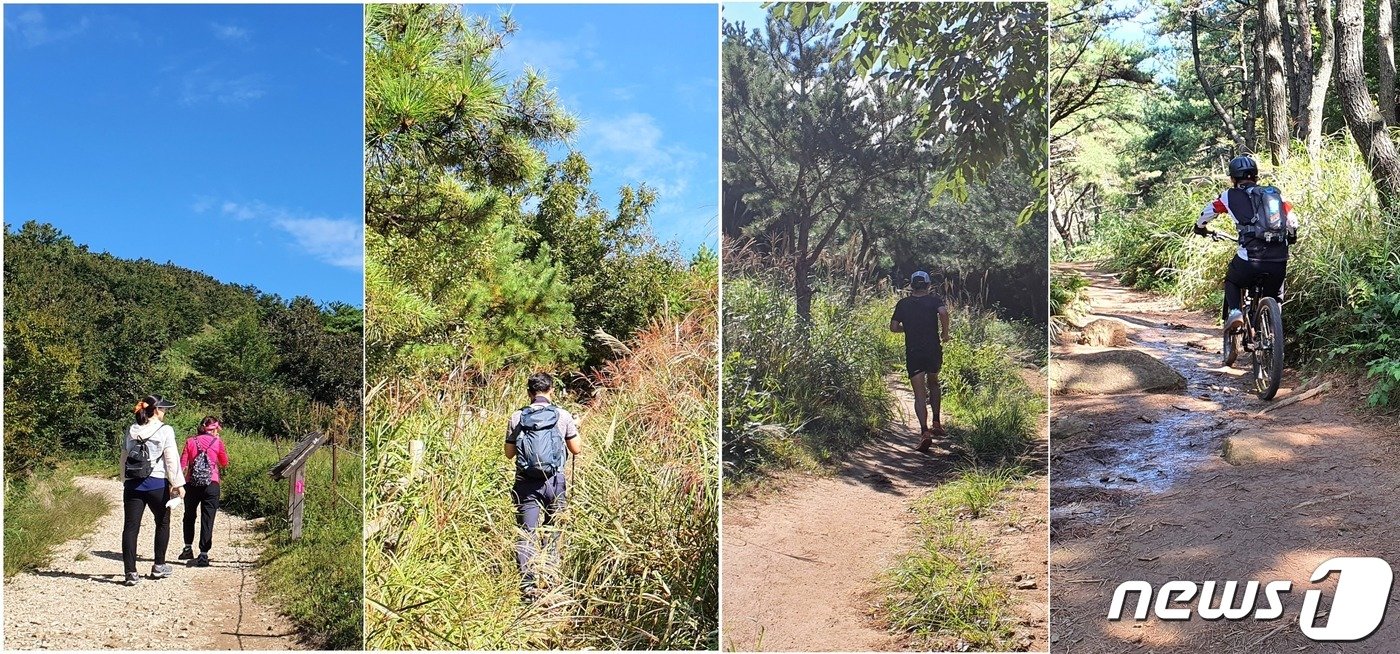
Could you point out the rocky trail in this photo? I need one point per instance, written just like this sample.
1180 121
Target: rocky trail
1161 476
802 559
78 602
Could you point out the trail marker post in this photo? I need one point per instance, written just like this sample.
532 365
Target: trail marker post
293 469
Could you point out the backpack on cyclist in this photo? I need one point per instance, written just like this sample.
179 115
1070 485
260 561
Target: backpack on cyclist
1269 223
138 459
201 470
539 443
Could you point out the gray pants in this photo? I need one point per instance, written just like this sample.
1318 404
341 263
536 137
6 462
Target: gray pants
537 502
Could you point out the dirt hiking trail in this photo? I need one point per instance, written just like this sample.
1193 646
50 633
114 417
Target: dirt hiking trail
78 602
802 561
1141 490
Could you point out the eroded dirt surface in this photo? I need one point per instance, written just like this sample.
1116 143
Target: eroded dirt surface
1140 491
801 563
78 602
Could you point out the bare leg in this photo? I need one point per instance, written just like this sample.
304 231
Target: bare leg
920 383
935 399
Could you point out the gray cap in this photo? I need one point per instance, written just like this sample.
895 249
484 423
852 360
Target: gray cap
921 276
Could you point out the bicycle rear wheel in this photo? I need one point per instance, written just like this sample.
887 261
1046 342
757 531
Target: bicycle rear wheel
1268 349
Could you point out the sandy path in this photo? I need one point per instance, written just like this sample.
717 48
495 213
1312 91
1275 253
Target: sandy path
1141 491
801 563
77 602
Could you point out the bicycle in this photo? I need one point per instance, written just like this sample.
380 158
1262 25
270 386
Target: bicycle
1261 336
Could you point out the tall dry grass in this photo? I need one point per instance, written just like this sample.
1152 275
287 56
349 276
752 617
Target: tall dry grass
640 559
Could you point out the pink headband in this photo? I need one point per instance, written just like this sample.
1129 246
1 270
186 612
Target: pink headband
212 428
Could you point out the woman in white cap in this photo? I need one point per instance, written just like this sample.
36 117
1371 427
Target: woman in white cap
151 473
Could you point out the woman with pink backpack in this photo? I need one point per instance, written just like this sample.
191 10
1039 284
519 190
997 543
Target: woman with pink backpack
203 458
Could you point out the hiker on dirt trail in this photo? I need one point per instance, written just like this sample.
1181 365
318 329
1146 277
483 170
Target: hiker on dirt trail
1266 226
539 438
203 459
151 473
922 316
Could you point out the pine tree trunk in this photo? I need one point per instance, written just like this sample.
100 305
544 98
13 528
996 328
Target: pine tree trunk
1275 84
1367 125
1303 69
801 278
1290 59
1251 87
1385 53
1322 78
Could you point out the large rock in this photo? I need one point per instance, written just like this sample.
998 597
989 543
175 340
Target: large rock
1107 372
1104 333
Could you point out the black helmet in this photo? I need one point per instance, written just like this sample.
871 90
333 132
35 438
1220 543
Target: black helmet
1243 167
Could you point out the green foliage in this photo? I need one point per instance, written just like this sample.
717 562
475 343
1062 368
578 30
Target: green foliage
942 592
790 401
481 253
46 510
978 69
1069 300
88 334
318 580
992 411
640 563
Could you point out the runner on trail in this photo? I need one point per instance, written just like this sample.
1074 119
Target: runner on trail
151 472
1267 227
922 316
203 459
539 438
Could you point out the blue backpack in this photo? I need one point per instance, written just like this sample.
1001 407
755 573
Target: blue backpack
539 444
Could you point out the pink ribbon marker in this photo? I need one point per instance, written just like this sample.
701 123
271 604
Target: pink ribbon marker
301 487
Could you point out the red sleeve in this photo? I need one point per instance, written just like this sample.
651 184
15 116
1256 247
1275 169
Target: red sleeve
223 455
187 455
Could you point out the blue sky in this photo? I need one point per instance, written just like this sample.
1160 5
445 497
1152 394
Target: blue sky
643 79
228 139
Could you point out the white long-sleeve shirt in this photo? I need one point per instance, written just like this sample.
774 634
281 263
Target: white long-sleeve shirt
160 442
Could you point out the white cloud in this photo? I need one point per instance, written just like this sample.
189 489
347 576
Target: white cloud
206 84
636 144
229 32
553 57
34 29
337 242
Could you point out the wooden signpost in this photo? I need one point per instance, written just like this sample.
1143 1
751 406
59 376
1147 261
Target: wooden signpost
293 468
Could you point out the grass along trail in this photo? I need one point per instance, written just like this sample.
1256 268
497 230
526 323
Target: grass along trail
1142 491
803 562
78 602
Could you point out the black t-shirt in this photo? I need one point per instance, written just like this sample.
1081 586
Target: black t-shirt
919 315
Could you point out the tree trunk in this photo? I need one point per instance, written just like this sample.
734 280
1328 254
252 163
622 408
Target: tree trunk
1275 85
1385 52
1220 111
801 276
1290 59
1303 68
1365 121
1251 89
1322 78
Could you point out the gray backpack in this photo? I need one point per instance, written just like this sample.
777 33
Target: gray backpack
539 443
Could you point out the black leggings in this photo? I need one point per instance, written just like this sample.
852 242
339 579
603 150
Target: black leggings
135 503
1247 274
205 501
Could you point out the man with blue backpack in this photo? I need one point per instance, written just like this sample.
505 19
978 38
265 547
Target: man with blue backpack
539 438
1266 227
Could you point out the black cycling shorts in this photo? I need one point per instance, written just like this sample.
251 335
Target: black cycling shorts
919 362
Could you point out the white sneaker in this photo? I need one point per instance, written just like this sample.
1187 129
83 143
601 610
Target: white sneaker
1234 322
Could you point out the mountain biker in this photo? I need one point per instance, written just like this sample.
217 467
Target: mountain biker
919 317
538 498
1262 258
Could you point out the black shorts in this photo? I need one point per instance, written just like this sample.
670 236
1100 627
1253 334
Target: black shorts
919 362
1248 274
